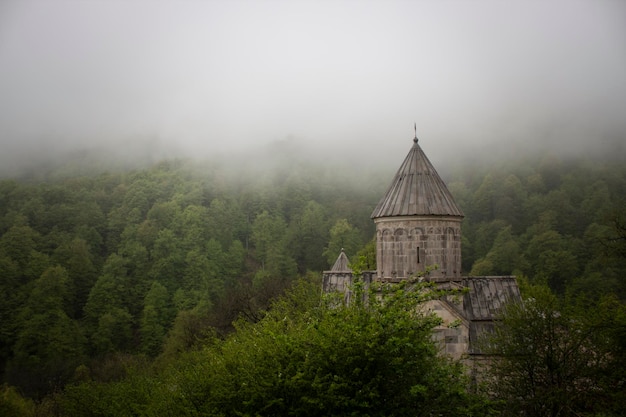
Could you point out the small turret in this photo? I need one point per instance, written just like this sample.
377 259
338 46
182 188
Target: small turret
341 264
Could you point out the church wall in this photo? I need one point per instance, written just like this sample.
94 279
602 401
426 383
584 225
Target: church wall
342 281
452 335
408 244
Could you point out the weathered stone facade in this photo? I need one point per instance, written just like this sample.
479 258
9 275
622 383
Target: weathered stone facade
407 245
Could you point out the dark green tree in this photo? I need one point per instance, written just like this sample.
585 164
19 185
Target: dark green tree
21 245
555 357
308 236
342 236
503 259
168 260
108 322
225 221
269 235
485 198
49 344
155 319
552 259
75 256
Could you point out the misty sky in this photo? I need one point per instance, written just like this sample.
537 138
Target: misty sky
210 75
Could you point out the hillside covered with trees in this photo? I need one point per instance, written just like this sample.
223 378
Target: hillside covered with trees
107 273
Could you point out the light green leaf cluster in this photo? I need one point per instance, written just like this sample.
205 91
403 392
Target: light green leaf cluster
311 356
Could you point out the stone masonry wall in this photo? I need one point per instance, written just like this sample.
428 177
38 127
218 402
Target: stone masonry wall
406 245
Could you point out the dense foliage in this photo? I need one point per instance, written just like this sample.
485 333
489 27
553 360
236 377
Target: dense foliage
557 222
307 357
102 272
560 356
108 264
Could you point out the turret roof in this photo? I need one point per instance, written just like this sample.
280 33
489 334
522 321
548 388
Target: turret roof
417 190
341 264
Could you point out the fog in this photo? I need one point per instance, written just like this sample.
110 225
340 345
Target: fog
202 78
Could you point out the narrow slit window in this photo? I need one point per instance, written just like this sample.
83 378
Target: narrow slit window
418 254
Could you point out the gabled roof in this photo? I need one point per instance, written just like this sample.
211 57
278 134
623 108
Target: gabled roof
483 304
341 264
417 190
487 296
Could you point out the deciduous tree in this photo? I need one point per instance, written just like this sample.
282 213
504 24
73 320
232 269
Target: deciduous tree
555 357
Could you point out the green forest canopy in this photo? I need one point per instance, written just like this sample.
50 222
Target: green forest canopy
144 262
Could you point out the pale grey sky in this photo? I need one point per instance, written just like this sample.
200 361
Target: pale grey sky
211 75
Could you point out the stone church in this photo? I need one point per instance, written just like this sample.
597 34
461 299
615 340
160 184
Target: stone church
418 225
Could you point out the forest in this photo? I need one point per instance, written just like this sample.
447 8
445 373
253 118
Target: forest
143 291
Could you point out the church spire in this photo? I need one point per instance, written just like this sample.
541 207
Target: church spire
417 190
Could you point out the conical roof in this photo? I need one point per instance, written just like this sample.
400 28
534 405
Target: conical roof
341 264
417 190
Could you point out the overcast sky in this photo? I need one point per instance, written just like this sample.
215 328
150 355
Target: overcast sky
211 75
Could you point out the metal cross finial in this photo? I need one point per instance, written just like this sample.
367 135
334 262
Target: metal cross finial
415 128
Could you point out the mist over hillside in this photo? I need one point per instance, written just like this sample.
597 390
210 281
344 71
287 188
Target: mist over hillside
275 82
350 159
